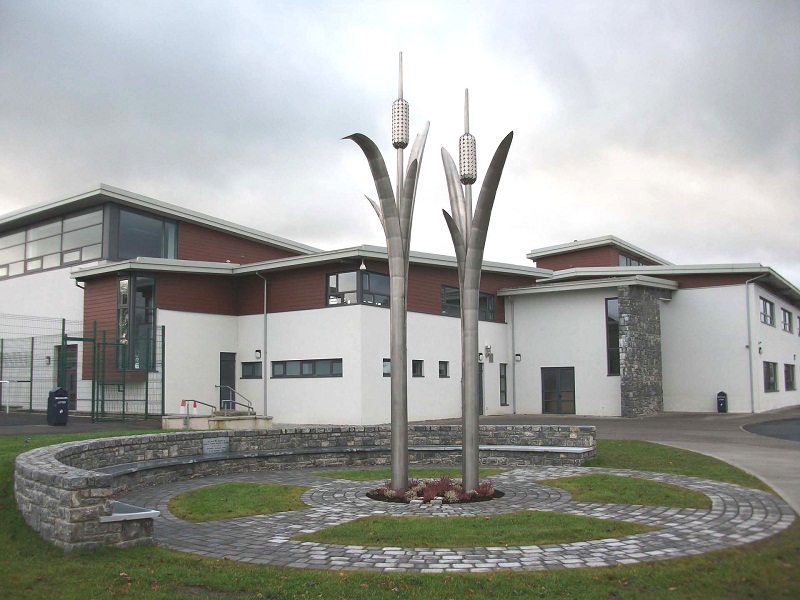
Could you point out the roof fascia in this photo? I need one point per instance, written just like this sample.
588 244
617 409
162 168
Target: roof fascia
608 240
154 264
156 206
592 284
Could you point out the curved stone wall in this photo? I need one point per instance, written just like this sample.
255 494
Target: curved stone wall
66 491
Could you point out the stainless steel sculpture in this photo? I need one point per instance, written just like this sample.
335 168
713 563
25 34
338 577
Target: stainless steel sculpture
469 238
396 220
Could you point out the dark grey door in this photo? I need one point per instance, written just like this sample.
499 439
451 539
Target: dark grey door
480 388
558 390
70 378
227 379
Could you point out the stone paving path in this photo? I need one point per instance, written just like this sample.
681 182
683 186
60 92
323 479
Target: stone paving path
738 515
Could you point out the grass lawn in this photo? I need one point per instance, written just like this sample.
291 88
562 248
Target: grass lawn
513 529
31 568
613 489
236 499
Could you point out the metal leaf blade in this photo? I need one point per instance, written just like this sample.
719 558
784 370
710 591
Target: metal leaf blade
483 209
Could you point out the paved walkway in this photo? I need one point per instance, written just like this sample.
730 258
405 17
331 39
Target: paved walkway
738 515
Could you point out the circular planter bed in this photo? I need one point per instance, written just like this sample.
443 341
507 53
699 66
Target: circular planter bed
444 490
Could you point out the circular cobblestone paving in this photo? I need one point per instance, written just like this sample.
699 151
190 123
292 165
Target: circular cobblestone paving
738 515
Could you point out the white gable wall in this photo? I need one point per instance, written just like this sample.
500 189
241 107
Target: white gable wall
704 349
565 329
46 294
193 344
771 343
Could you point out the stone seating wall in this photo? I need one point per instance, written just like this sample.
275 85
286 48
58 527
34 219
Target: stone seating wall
66 491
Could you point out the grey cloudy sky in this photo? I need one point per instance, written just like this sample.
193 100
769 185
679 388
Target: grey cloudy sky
674 125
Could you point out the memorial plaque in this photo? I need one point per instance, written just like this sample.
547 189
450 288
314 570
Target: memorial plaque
216 445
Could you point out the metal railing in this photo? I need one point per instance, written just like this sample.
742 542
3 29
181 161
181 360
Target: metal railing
246 402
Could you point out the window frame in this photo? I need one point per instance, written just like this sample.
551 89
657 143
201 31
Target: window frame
503 384
138 318
610 349
787 320
449 308
362 289
444 374
770 377
258 370
417 372
307 368
789 377
767 314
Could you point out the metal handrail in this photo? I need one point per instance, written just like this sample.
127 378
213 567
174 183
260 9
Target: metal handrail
249 404
211 406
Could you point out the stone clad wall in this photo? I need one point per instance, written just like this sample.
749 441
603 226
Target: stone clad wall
641 383
63 496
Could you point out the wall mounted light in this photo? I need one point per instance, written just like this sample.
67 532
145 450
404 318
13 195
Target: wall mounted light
363 267
480 357
760 349
258 354
47 359
518 357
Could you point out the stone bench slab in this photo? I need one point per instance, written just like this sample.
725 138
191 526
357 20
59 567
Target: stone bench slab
128 512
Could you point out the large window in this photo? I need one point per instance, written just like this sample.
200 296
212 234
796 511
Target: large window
358 287
767 312
786 320
770 376
141 234
69 240
451 304
136 322
790 383
612 335
326 367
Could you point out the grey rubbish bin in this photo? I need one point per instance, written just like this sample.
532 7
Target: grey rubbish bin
57 407
722 402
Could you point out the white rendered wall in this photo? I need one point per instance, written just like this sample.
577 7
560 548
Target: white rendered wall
193 344
704 349
316 334
250 337
776 345
565 329
45 294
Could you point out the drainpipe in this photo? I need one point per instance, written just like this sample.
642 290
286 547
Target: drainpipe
750 340
513 360
264 361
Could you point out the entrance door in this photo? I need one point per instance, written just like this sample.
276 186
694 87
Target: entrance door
227 380
558 390
480 389
70 372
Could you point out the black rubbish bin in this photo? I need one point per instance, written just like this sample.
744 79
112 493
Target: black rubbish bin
722 402
57 407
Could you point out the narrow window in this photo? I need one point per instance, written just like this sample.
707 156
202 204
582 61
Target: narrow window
767 312
418 368
251 370
612 335
770 376
503 384
786 320
304 369
790 383
387 367
444 369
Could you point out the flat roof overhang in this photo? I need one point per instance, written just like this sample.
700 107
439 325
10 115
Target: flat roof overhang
354 255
